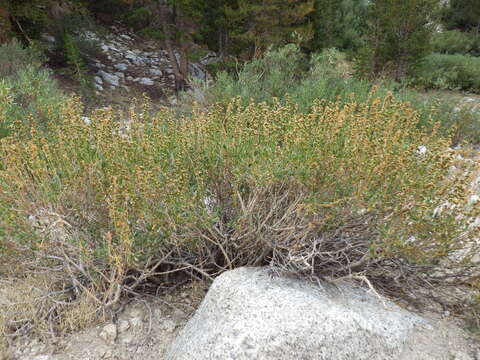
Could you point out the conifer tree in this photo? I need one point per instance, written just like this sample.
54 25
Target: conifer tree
399 33
339 23
258 24
463 15
27 17
5 24
215 24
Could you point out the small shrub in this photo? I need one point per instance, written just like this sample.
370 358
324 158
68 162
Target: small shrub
454 72
74 30
76 63
197 54
236 186
76 45
14 58
152 33
138 18
262 79
28 94
456 42
226 65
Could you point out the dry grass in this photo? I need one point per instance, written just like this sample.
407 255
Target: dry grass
36 305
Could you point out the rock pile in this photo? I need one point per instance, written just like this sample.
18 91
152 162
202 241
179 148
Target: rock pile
125 61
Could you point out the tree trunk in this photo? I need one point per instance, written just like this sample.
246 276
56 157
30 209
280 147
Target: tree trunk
183 53
5 25
180 78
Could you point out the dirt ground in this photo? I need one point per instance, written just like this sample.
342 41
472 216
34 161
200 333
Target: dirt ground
142 330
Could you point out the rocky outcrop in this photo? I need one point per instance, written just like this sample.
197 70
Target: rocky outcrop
125 61
250 314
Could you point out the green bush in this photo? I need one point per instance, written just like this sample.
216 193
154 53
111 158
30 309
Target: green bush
340 24
281 75
138 18
14 58
231 187
454 72
456 42
75 47
77 65
262 79
28 94
72 28
287 73
227 65
152 33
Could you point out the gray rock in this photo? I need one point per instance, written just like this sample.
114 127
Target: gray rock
48 38
459 355
109 78
197 72
89 35
134 59
109 333
173 100
156 72
86 120
43 357
473 199
123 325
98 80
210 58
146 81
422 150
121 67
248 314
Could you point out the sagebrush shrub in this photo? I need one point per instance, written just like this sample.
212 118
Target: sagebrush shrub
342 189
456 42
454 72
28 94
14 58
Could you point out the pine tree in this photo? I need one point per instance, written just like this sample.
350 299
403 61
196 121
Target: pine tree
258 24
214 24
339 23
28 18
5 24
399 33
463 15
